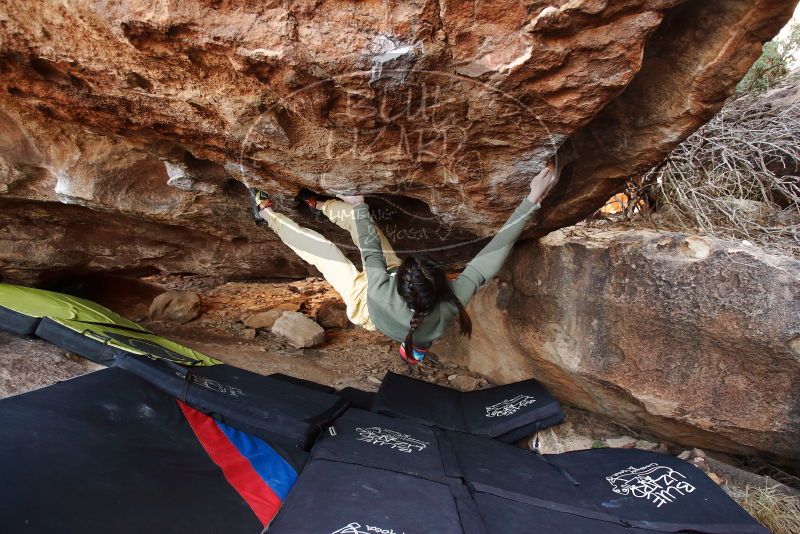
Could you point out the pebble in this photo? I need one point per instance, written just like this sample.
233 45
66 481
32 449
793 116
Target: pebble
452 377
374 379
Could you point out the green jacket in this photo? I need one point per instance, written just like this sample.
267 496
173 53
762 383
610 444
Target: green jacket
389 311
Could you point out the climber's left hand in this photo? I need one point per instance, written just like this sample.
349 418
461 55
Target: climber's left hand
542 183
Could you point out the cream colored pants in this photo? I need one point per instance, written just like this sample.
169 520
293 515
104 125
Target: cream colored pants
323 254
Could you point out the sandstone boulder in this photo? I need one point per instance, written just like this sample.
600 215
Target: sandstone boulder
298 330
130 130
176 306
692 339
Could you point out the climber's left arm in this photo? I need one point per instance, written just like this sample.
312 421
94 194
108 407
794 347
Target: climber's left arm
490 259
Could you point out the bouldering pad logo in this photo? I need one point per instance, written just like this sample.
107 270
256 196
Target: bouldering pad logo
656 483
356 528
219 387
376 435
509 406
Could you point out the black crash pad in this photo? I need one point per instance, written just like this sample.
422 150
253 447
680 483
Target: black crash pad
655 491
510 489
371 473
107 452
507 413
597 490
289 412
310 384
358 398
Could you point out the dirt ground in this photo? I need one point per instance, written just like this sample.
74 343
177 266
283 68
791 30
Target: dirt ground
349 356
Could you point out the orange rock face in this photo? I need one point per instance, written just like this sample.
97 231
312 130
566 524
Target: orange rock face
128 128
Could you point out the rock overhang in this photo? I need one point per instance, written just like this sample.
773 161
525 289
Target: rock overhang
147 112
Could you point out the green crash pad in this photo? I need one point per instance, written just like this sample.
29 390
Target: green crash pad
86 328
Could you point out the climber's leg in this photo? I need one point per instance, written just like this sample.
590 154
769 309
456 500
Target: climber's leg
341 214
315 249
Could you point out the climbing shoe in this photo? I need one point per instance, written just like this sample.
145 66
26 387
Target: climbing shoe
417 356
260 202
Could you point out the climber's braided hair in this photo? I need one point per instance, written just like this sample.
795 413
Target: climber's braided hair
422 283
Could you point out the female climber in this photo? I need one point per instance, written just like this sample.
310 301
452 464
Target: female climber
409 300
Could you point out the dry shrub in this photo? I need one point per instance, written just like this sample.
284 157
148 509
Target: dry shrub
737 177
776 510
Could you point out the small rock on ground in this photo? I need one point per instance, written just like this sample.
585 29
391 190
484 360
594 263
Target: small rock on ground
299 330
176 306
263 319
465 383
333 314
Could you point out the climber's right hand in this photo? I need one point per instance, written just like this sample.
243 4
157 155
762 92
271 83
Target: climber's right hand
542 183
354 200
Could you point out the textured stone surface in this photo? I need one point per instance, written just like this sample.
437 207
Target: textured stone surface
691 339
299 330
128 128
